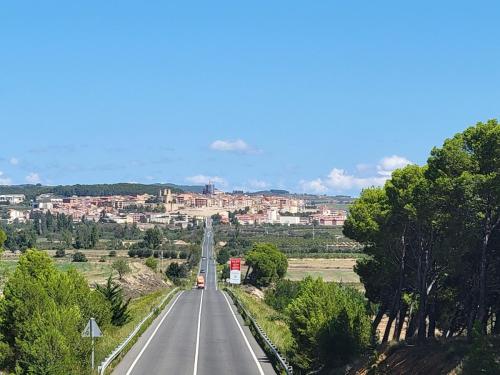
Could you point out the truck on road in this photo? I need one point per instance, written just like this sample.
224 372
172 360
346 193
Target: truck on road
200 282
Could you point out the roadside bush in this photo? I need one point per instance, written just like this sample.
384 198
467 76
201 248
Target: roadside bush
60 253
79 257
282 294
329 322
42 315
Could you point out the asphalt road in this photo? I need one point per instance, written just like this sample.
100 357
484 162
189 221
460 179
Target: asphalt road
200 332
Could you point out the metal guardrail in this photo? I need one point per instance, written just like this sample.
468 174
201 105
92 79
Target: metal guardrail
271 348
107 361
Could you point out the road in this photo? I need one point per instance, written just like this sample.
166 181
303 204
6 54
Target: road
199 332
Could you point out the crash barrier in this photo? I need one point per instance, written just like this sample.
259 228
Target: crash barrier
115 353
270 348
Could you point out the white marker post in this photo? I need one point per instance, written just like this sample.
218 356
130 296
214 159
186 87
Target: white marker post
92 330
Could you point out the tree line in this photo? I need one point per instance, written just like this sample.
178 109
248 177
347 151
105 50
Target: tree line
432 234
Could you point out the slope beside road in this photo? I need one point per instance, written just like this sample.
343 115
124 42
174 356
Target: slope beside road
199 332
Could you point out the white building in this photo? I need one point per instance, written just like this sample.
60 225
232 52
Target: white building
12 198
289 220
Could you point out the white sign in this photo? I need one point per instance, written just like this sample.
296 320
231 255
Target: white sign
92 329
235 277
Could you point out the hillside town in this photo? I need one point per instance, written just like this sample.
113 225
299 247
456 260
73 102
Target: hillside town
176 208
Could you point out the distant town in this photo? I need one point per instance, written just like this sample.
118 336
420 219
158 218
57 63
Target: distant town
177 208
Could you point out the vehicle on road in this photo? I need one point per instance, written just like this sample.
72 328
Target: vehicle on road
200 282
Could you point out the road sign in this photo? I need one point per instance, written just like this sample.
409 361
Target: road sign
235 271
92 329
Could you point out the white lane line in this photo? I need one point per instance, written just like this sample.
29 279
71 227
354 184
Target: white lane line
261 372
195 369
152 335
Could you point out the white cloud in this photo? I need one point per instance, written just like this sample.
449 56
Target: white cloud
33 178
338 180
258 184
315 186
390 163
201 179
14 161
237 145
4 180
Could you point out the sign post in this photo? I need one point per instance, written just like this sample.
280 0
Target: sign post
92 330
235 271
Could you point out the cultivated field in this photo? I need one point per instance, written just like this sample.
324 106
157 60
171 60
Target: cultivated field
340 270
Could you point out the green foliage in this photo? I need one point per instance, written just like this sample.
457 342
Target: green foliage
87 236
223 256
483 356
153 238
121 266
60 253
42 315
3 238
225 272
152 263
329 322
112 254
113 293
79 257
267 264
176 272
284 292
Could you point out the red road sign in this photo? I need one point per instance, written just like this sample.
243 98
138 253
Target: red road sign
235 264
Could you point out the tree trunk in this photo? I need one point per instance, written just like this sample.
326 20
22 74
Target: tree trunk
412 325
422 305
482 315
378 317
431 333
388 329
496 327
400 322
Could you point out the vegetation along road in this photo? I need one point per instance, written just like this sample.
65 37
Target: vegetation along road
199 332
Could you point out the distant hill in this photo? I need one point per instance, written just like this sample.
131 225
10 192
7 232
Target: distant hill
270 192
32 191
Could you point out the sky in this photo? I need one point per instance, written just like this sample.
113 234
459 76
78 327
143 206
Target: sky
309 96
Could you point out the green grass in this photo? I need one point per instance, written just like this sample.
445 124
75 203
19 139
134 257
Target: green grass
272 322
139 308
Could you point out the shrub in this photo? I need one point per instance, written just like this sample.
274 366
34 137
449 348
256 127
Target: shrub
60 253
176 272
329 322
79 257
121 266
112 253
152 263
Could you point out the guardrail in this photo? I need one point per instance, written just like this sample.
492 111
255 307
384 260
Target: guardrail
281 361
107 361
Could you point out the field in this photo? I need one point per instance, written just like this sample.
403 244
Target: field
339 270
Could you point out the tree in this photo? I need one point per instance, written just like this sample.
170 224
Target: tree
153 238
152 263
3 238
114 295
121 266
42 315
79 257
176 271
266 264
329 322
223 256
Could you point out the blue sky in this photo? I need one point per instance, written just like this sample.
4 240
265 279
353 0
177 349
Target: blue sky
313 96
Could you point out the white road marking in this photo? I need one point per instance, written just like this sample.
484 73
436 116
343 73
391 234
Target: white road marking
261 372
196 353
152 335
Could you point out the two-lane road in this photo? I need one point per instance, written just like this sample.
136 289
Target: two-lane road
199 333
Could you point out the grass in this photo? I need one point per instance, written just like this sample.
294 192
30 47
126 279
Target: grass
139 308
272 322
